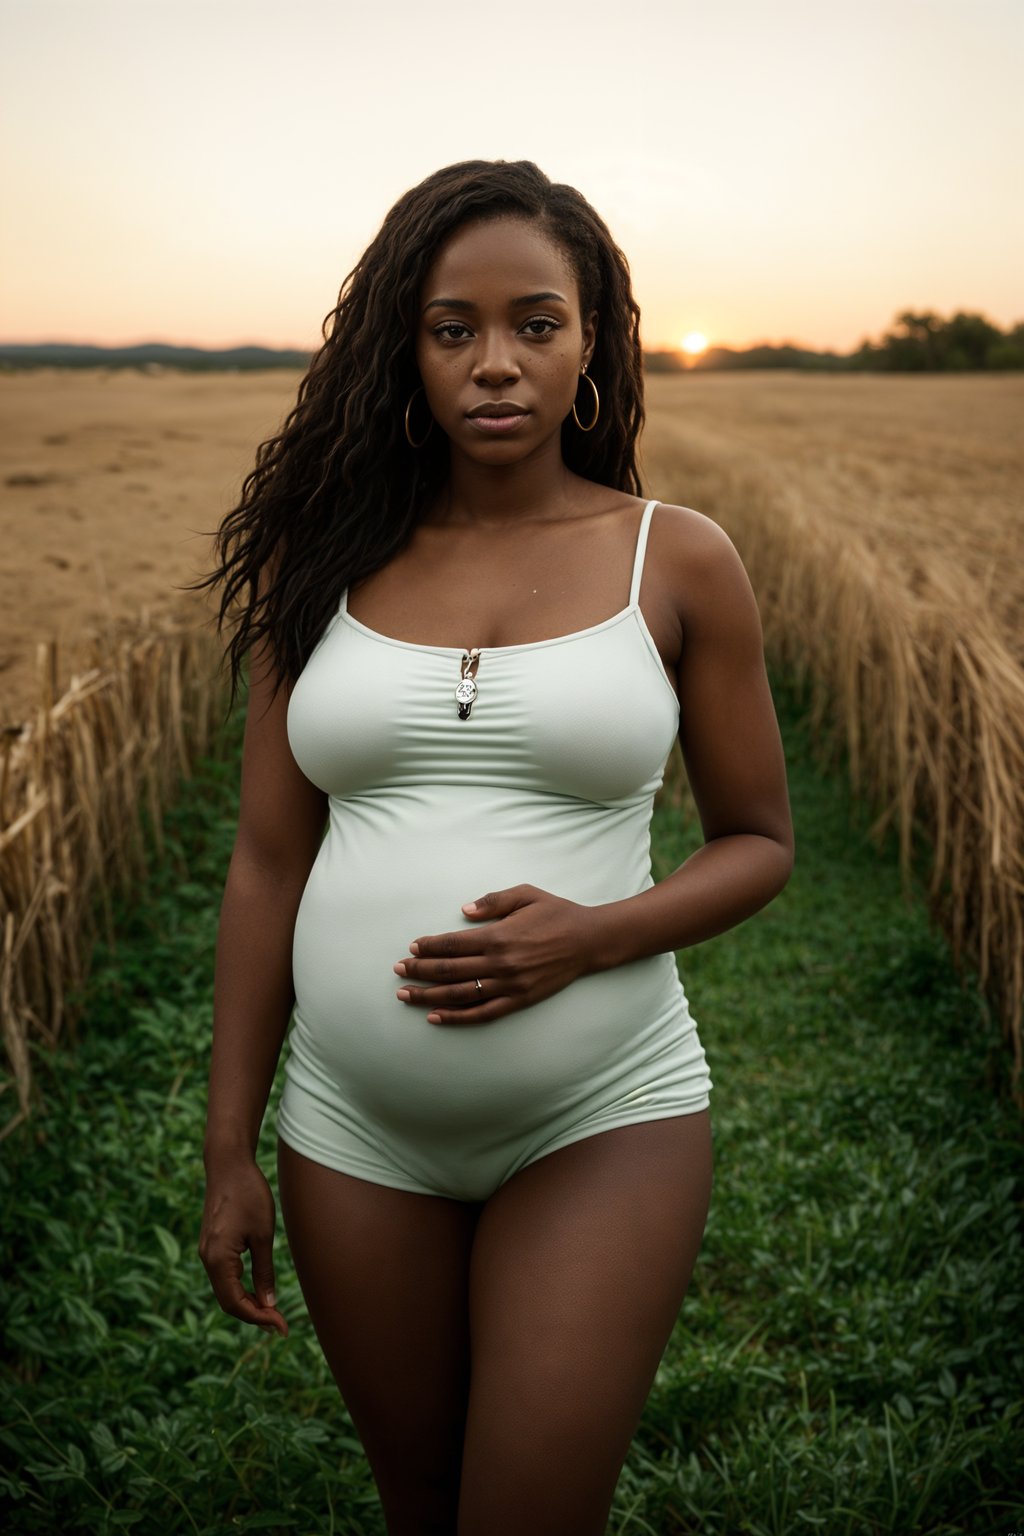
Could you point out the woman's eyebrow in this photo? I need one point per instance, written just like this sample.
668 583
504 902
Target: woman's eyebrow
464 304
539 298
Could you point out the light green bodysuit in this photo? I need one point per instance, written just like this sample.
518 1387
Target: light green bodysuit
550 781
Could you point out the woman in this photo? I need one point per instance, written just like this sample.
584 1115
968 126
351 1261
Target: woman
473 643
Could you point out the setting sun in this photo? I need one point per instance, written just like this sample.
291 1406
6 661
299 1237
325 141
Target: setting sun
694 343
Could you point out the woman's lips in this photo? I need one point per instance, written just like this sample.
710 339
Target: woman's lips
497 423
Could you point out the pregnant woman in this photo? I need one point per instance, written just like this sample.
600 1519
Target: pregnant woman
472 643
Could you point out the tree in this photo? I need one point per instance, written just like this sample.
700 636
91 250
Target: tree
972 335
917 345
926 342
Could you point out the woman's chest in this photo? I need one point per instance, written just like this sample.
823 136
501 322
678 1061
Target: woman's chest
590 716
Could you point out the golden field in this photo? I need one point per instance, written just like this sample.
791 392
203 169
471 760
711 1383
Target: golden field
924 475
110 481
879 519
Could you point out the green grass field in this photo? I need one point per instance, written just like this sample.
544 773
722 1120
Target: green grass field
847 1360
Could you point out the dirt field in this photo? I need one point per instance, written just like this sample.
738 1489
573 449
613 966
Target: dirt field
113 481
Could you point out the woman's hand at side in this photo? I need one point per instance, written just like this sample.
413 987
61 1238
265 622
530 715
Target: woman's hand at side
280 825
239 1215
532 945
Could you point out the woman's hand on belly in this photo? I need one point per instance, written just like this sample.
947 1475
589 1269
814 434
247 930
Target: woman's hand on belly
531 945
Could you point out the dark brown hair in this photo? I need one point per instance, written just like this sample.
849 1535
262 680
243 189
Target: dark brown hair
338 492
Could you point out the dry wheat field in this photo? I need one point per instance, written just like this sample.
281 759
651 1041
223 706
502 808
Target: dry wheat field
924 476
108 480
879 518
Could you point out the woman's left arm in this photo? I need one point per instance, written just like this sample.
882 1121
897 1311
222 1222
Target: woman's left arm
735 764
532 942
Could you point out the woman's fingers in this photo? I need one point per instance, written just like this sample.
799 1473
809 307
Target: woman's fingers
239 1216
465 969
448 983
533 945
465 1003
226 1279
495 1008
262 1250
463 995
464 942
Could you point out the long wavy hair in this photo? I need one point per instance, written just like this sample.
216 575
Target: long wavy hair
338 491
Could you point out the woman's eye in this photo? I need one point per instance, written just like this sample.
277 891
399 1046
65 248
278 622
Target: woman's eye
541 320
447 329
540 326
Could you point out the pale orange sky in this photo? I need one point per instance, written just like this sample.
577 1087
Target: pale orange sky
207 171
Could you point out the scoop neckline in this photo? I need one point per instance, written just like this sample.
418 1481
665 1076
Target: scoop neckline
459 650
522 645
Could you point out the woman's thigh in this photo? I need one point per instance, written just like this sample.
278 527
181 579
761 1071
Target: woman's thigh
384 1273
580 1265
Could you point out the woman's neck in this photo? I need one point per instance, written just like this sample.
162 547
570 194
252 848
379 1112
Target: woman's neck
539 489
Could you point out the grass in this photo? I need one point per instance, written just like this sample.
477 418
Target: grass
847 1360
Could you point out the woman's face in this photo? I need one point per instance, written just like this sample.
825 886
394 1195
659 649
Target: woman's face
500 340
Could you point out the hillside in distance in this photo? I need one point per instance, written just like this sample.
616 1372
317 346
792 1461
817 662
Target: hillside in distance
147 355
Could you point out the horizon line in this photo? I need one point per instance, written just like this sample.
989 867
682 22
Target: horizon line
267 346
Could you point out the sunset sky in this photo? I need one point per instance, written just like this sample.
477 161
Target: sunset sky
207 171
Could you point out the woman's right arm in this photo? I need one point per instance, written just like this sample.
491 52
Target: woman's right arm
280 826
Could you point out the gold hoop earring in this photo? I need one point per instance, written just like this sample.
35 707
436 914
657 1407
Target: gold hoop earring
408 434
597 403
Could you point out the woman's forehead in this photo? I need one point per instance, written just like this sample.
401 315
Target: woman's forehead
497 253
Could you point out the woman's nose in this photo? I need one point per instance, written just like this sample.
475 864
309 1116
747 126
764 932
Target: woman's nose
495 362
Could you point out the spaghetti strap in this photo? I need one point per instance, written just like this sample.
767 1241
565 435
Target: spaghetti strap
638 560
641 548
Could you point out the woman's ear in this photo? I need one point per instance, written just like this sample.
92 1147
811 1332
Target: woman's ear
589 337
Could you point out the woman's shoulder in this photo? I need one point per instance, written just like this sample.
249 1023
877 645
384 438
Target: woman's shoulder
679 537
680 533
698 566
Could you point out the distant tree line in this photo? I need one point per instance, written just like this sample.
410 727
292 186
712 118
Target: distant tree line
917 343
785 356
926 343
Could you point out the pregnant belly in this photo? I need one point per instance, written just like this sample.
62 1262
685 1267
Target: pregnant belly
366 899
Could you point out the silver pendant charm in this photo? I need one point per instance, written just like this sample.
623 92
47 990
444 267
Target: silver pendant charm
466 690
